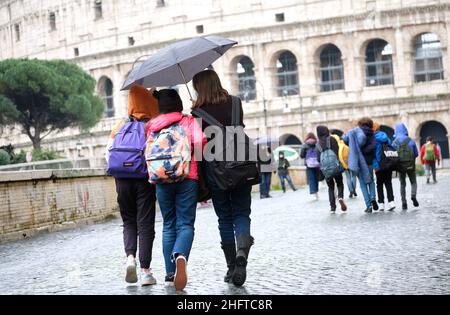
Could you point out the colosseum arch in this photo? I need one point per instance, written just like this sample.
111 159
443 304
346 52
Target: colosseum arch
290 139
427 57
285 76
330 68
105 89
438 132
338 132
242 69
378 62
389 131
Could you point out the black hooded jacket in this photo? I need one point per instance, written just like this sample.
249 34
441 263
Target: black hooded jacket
369 149
323 134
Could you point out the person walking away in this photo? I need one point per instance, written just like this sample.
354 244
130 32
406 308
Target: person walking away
173 139
385 162
232 206
343 158
309 153
359 160
328 151
265 162
429 154
407 153
283 172
135 195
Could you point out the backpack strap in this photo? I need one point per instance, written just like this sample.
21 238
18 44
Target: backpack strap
207 117
235 111
329 142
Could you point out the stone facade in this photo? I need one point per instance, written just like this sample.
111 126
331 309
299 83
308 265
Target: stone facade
37 201
106 43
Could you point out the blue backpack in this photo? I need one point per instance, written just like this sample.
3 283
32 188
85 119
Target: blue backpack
329 162
126 159
311 159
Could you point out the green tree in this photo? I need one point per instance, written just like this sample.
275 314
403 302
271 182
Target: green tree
4 157
47 95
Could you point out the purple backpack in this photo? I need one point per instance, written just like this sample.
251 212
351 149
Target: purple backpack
126 158
311 159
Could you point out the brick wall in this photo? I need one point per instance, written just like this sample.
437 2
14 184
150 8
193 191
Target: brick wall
41 201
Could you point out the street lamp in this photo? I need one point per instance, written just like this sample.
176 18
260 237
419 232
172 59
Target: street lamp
288 110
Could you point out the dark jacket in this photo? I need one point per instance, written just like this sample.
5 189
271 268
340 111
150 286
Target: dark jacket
369 149
323 133
221 112
283 166
310 144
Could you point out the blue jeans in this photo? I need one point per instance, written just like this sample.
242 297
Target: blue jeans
351 180
178 203
264 186
289 180
368 190
232 207
312 174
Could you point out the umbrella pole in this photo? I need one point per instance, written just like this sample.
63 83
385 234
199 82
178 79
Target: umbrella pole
185 82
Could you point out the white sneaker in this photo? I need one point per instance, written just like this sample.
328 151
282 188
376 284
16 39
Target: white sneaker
317 196
131 276
381 206
147 278
391 206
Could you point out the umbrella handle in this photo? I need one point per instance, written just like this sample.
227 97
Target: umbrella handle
185 82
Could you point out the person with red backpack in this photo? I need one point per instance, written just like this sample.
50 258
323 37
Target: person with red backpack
135 195
174 141
429 154
309 153
407 153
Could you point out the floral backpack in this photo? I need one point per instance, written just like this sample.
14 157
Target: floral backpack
168 155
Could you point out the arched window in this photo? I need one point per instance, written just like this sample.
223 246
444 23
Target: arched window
287 74
331 69
388 131
246 78
105 90
290 139
428 58
438 132
379 63
337 132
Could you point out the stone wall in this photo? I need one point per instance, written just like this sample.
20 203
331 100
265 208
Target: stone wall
43 201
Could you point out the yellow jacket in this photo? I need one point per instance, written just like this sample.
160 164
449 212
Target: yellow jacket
343 151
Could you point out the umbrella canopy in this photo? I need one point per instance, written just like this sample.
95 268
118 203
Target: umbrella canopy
265 140
289 153
178 62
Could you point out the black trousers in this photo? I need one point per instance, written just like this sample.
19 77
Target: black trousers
340 187
384 179
136 198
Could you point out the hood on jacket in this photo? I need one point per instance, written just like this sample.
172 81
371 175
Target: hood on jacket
164 120
323 131
311 141
381 137
401 132
141 103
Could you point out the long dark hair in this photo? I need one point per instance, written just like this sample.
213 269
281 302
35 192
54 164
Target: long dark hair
209 89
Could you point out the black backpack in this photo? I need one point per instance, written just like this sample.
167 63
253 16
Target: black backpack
233 171
389 159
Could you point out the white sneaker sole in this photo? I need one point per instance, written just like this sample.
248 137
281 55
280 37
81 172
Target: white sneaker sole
180 279
146 283
131 276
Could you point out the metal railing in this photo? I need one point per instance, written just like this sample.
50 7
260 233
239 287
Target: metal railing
60 164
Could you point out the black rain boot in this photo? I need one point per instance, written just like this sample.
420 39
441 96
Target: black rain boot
244 242
230 256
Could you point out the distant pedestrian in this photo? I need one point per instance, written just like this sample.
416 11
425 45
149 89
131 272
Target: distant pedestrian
407 153
362 149
429 155
330 166
135 195
266 168
383 165
310 154
283 172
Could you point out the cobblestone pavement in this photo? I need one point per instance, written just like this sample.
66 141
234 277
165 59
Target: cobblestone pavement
300 248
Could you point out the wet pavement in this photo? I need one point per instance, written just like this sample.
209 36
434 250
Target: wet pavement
300 248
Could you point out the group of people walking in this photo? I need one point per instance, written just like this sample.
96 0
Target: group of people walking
152 156
364 151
